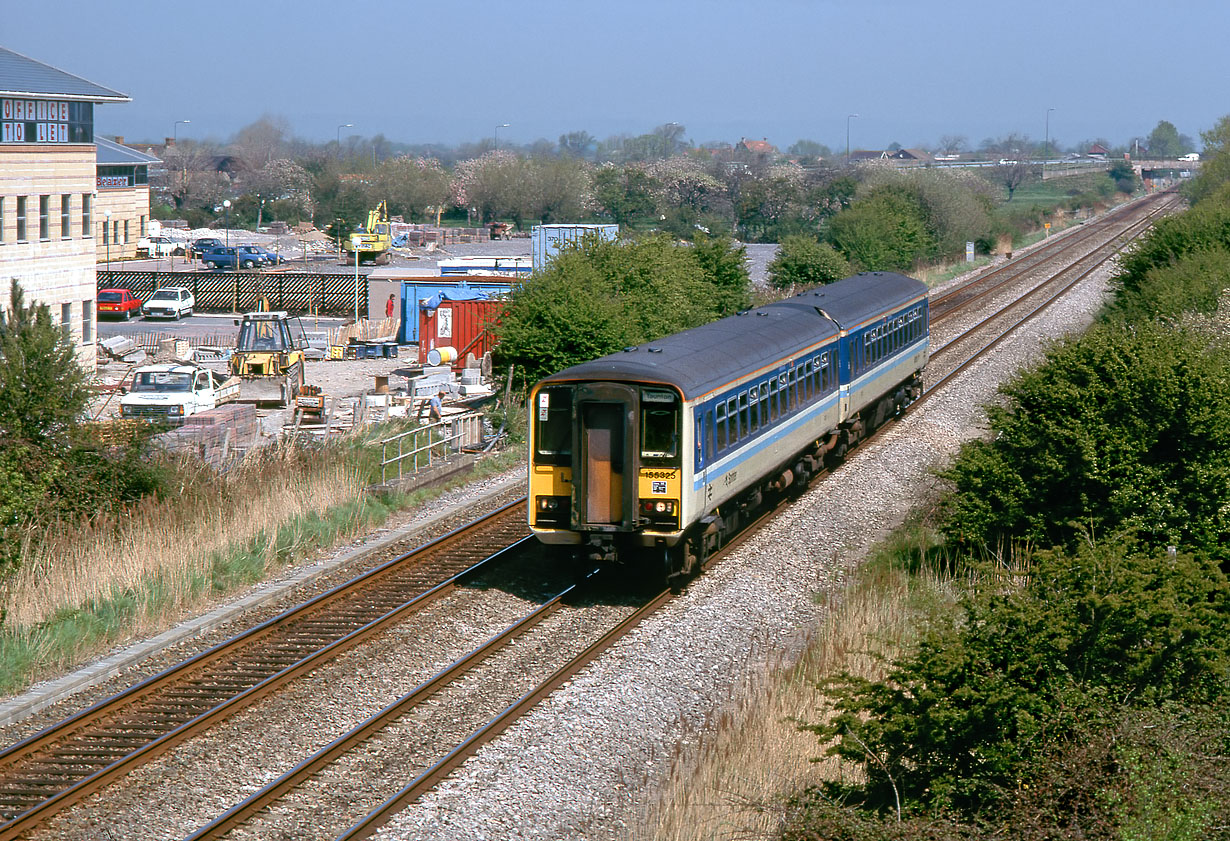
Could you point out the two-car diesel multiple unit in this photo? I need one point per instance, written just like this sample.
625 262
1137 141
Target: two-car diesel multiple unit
660 452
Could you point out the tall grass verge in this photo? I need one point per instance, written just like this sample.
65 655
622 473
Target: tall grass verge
734 784
81 591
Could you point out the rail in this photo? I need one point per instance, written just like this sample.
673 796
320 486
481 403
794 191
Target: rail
431 442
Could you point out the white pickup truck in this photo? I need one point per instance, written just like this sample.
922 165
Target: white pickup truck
172 392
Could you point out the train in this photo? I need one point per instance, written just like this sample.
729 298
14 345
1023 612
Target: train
657 454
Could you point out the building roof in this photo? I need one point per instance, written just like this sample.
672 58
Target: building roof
760 147
22 76
112 153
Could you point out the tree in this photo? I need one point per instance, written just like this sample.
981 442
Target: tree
886 230
803 261
1164 141
951 144
626 193
804 149
558 190
42 387
596 298
1215 162
411 185
577 144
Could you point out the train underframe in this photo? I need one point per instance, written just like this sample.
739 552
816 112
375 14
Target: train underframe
680 560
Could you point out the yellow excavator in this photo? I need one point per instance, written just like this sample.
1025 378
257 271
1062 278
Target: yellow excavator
373 240
269 358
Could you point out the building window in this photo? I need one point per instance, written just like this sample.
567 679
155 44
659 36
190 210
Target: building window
87 321
21 218
144 226
66 219
87 215
115 232
1 218
125 231
106 232
44 217
66 321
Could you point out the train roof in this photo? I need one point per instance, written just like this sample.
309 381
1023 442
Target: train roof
704 358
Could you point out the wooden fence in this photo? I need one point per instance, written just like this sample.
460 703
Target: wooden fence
296 292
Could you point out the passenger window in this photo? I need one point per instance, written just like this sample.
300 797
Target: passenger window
732 415
773 399
753 404
721 427
709 431
766 407
745 426
791 397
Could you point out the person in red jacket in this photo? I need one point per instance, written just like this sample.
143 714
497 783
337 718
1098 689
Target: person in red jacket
390 307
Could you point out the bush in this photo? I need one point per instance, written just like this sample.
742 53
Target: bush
1024 670
884 231
803 261
1125 429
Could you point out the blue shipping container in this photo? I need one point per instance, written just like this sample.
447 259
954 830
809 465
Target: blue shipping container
546 240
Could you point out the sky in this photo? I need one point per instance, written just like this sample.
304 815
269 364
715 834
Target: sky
783 70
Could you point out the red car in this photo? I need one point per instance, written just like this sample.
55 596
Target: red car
118 302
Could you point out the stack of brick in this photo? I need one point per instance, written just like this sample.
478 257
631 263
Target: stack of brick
216 434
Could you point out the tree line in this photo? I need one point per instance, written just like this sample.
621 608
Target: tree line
656 180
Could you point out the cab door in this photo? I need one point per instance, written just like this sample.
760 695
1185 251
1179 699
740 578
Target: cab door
606 431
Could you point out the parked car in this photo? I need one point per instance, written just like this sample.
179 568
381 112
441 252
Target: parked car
229 258
200 246
258 254
159 246
169 302
119 302
274 257
1190 156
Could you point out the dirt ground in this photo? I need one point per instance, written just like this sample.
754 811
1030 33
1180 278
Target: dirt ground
336 378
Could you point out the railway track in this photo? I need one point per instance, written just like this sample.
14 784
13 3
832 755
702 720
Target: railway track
47 773
60 765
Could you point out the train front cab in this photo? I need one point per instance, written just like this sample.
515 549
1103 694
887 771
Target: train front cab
606 470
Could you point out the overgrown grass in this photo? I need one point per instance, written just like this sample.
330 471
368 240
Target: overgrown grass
734 784
86 591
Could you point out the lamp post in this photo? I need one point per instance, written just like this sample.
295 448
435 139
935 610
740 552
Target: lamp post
339 136
175 131
357 242
497 135
226 205
107 235
1047 149
849 117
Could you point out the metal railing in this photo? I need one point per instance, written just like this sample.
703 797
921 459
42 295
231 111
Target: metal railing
418 448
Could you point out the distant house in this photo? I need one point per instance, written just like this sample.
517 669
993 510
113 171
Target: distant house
910 155
757 147
1097 150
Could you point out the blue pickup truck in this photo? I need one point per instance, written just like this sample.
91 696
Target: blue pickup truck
241 256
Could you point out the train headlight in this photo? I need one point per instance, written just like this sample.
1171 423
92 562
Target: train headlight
547 503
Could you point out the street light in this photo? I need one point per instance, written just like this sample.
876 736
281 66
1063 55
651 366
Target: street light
1047 149
175 131
497 135
357 242
339 136
848 118
107 235
226 204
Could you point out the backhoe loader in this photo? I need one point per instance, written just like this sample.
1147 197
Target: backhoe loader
269 358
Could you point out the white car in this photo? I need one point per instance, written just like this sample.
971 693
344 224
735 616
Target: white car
169 302
158 246
1190 156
